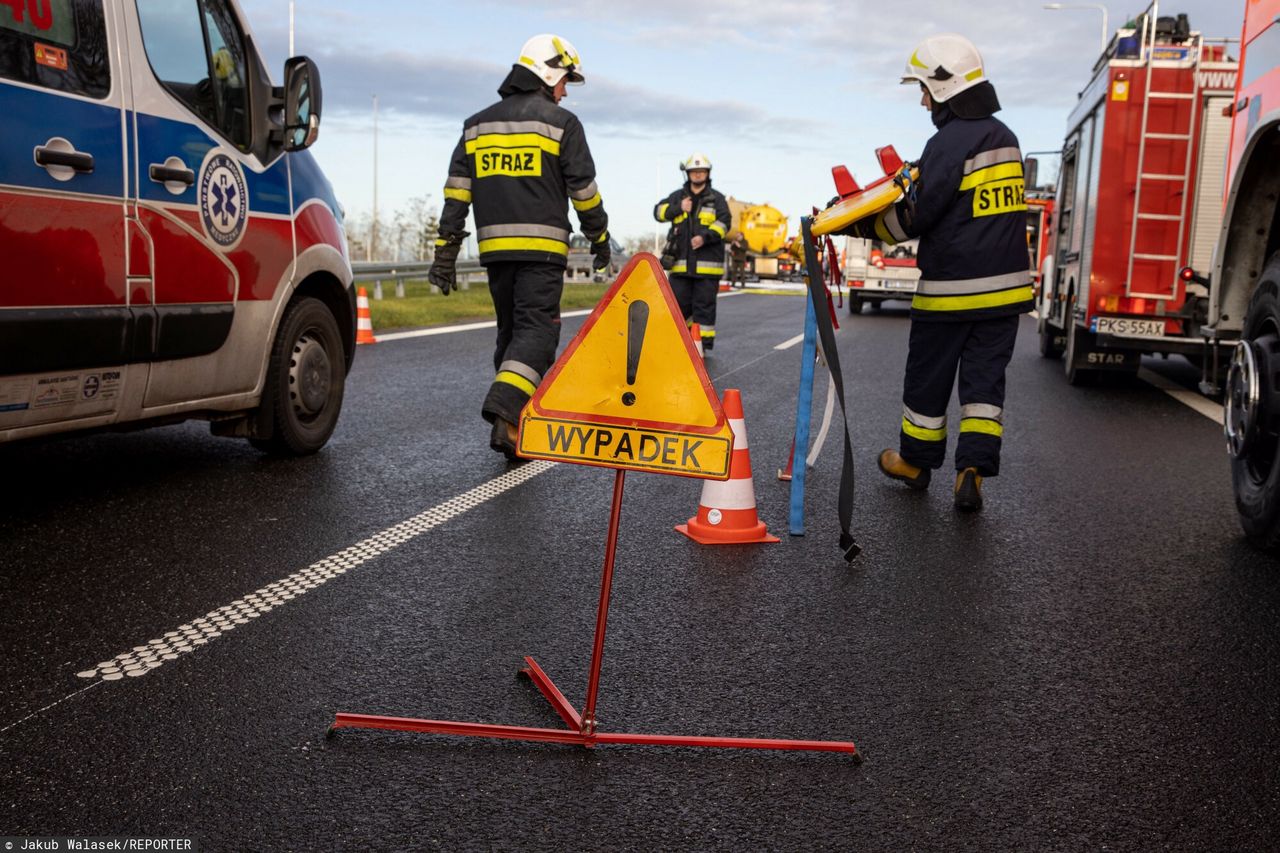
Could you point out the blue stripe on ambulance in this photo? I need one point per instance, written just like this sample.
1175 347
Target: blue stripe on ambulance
93 128
162 138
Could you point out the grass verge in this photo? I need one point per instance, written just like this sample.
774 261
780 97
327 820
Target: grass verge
423 305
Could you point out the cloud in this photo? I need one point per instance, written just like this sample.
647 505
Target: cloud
410 85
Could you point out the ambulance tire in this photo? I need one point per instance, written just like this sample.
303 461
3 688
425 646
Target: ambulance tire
306 378
1255 475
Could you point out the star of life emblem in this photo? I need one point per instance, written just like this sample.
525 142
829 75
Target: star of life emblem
224 203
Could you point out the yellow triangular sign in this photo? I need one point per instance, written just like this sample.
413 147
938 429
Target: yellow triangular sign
630 390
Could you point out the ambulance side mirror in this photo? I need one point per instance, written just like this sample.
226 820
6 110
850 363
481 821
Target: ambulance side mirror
301 103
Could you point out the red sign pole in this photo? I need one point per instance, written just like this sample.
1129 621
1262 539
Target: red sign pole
581 728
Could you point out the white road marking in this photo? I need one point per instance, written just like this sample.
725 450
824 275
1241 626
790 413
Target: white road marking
1192 399
465 327
190 636
47 707
790 342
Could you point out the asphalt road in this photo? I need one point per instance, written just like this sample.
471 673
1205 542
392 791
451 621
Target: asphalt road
1093 662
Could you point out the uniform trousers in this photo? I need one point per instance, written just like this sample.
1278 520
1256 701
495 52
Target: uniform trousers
526 299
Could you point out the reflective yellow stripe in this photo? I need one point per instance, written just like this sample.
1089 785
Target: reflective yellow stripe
586 205
923 434
680 267
517 380
719 229
515 140
974 74
662 211
882 230
440 241
981 425
604 235
710 270
463 196
991 173
681 218
977 300
524 244
706 217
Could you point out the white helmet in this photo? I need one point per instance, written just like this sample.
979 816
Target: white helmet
947 64
696 161
551 58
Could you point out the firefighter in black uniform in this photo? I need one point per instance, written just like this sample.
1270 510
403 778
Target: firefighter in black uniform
700 216
969 211
520 162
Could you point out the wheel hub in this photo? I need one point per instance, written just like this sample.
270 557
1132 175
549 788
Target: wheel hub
1240 418
309 379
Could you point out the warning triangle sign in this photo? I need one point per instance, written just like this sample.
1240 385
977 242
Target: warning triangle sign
630 391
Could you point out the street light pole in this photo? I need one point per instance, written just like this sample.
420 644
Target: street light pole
291 53
373 228
1096 6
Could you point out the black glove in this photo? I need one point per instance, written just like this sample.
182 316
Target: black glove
601 253
443 273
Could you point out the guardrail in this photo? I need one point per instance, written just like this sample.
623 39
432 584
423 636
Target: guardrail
577 270
380 271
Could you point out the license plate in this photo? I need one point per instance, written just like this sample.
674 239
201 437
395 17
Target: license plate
1128 327
897 284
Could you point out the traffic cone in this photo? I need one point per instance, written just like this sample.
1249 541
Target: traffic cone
695 331
364 322
727 510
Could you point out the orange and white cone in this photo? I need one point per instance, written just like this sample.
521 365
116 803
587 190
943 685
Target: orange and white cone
695 331
364 322
727 510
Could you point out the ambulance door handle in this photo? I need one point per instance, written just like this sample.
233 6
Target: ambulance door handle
78 160
161 173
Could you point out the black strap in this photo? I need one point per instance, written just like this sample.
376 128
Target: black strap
827 339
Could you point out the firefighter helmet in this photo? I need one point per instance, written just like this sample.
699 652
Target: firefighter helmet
696 161
947 64
552 58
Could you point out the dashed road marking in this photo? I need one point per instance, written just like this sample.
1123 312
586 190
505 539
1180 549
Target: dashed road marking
190 636
790 342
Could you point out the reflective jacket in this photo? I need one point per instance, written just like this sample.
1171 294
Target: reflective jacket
970 215
709 217
519 163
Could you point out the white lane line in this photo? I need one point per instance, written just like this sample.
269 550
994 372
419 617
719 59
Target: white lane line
47 707
189 637
465 327
790 342
1192 399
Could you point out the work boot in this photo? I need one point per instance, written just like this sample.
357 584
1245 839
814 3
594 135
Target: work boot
895 467
968 490
503 438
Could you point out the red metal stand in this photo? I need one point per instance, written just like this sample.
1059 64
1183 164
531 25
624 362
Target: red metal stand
581 728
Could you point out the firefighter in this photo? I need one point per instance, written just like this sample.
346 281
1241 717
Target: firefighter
700 216
738 261
517 162
969 212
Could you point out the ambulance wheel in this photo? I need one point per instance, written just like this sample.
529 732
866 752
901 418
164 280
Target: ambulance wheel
305 380
1252 414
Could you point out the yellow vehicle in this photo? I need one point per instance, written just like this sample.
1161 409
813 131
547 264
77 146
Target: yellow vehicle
764 228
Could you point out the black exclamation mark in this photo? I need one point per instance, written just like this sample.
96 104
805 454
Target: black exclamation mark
637 321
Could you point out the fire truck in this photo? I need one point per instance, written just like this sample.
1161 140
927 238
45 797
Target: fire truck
170 248
876 273
1139 198
1244 281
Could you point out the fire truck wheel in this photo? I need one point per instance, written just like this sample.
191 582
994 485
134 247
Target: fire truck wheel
1253 414
855 304
1076 337
305 380
1051 340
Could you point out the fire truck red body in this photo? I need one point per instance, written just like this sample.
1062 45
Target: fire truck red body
1245 279
1139 197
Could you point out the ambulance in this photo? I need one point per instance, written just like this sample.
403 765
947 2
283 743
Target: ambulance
169 249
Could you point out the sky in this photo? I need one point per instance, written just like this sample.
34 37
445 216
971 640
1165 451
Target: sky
775 93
